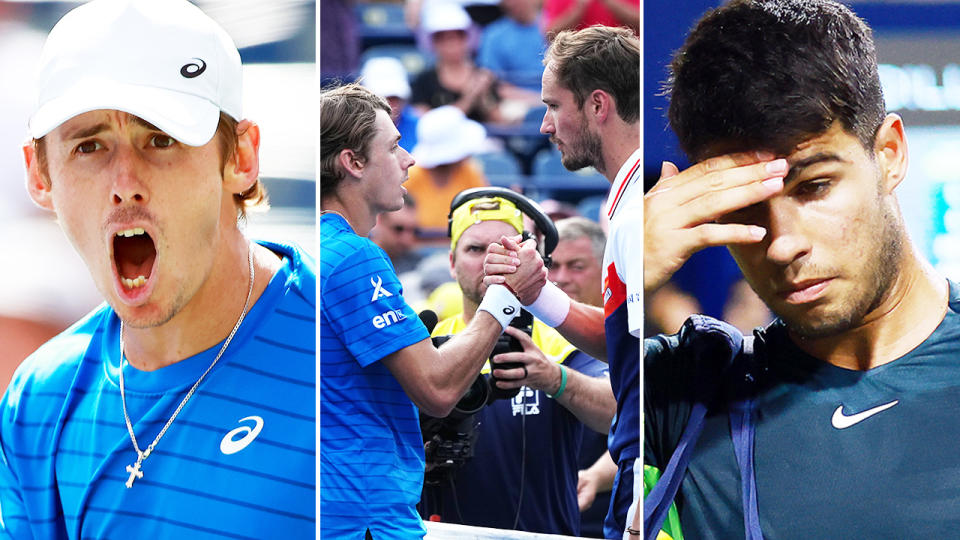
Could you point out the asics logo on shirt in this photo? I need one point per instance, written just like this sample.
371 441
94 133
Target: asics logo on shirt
231 445
378 290
843 421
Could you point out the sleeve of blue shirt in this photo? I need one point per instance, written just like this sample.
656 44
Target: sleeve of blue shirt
13 516
367 309
586 364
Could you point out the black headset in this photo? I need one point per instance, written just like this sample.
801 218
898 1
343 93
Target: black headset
530 208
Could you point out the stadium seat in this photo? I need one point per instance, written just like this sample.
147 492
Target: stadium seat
501 169
551 177
380 23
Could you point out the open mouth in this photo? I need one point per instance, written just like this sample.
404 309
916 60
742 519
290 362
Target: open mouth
134 254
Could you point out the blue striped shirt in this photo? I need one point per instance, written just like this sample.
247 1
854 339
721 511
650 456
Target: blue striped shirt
371 450
238 462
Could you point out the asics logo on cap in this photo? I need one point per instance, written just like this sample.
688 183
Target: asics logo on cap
192 70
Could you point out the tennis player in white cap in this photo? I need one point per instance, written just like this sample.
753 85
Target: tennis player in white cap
184 406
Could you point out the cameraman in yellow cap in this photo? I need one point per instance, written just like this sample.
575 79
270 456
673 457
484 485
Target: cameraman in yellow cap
523 473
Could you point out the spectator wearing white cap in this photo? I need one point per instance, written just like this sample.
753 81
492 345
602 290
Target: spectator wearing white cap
447 140
386 77
184 406
454 79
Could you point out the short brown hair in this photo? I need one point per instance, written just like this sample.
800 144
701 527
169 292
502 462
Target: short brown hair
348 116
227 138
599 58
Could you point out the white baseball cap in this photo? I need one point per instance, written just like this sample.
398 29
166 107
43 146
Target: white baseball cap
441 15
386 77
162 60
446 135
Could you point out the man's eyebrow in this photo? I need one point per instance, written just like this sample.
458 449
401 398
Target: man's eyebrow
798 166
143 123
90 131
87 131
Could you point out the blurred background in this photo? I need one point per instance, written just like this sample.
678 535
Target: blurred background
918 47
45 286
463 78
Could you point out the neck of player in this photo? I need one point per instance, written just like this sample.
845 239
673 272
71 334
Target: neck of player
359 215
619 141
209 316
910 311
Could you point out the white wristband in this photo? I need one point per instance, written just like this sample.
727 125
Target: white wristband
552 306
501 303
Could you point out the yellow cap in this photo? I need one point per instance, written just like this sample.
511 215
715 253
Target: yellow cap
465 215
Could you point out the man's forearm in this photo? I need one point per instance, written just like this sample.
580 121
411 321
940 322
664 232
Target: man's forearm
583 327
463 356
590 399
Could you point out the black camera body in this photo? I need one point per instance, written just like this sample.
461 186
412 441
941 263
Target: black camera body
449 441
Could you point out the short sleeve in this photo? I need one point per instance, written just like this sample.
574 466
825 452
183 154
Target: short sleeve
586 364
364 302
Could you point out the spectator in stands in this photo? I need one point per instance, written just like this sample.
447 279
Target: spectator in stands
576 269
576 14
454 79
339 42
512 48
446 142
576 266
523 472
709 283
396 233
386 77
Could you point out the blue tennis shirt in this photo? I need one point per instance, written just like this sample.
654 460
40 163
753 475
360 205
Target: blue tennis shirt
238 462
371 449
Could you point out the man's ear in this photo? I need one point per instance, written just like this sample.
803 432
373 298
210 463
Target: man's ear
599 105
241 171
890 150
38 182
351 162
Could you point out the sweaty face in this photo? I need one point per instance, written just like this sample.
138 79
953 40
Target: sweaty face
567 126
576 271
144 211
467 260
833 238
385 168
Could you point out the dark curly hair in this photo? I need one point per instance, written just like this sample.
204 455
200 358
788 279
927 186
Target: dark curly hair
770 74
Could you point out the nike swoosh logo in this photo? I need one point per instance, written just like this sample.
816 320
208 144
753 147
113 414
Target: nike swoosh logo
231 445
842 421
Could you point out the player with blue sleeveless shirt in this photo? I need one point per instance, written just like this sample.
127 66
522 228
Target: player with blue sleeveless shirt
184 407
779 105
378 366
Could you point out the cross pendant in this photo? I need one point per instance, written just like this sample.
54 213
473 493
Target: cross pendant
135 473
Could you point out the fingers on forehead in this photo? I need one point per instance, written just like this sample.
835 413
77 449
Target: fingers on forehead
738 159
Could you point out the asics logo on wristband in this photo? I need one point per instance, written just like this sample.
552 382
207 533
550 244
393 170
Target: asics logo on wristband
509 310
192 70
